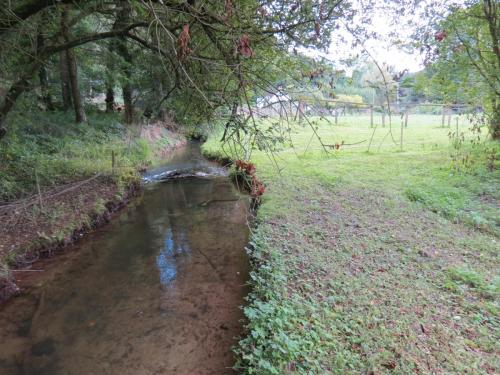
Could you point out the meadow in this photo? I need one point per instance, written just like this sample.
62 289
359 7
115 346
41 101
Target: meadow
379 261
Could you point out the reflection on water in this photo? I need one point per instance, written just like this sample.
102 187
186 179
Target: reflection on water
166 259
155 292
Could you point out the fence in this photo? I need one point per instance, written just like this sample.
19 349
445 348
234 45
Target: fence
361 126
297 110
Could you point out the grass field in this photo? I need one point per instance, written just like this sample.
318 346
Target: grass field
374 262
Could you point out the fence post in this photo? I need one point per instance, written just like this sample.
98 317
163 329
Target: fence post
383 117
301 112
443 115
401 139
39 191
456 125
449 117
406 119
371 116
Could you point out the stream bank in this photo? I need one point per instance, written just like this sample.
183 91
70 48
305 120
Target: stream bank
158 290
42 225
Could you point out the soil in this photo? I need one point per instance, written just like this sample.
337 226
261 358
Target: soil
29 232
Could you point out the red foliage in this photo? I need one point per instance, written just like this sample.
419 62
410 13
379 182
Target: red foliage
262 12
183 42
244 46
257 188
317 29
247 167
440 35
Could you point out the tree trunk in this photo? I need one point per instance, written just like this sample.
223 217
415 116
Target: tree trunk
495 120
43 76
44 85
110 99
72 70
301 112
75 90
126 67
490 9
128 103
67 103
13 94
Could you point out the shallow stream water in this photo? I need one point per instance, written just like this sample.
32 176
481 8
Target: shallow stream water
157 291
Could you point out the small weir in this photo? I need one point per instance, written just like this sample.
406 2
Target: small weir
157 291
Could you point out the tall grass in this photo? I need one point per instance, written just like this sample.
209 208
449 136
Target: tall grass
53 148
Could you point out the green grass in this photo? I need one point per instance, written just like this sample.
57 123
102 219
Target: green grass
56 149
373 262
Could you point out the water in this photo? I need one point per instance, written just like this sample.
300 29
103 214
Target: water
157 291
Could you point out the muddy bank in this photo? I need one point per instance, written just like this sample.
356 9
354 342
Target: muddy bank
29 234
158 290
30 230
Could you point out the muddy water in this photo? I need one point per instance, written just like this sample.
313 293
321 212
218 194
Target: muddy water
157 291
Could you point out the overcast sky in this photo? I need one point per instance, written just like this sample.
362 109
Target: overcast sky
382 49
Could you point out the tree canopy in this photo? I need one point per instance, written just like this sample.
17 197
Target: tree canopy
464 58
197 55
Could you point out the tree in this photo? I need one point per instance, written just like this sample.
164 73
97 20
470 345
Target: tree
213 55
382 81
464 57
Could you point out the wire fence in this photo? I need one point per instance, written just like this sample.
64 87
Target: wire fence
297 110
361 126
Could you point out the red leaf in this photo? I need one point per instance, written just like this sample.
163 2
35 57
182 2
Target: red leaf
317 29
244 46
440 35
183 42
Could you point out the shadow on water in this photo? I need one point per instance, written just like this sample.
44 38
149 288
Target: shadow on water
155 292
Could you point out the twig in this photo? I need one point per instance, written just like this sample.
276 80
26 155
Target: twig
30 201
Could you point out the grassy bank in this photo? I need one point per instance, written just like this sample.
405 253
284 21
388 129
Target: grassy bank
54 148
374 262
72 166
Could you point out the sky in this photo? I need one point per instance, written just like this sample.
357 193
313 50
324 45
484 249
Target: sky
382 49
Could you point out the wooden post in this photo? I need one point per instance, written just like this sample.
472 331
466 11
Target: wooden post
301 112
456 126
401 139
39 191
406 119
113 162
371 116
443 116
449 117
383 117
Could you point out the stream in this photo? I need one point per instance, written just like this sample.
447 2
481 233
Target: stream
156 291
